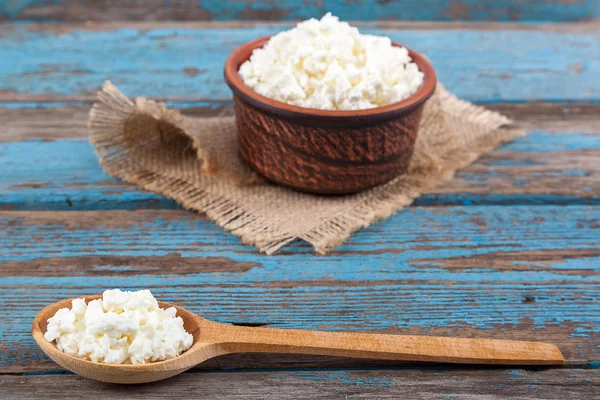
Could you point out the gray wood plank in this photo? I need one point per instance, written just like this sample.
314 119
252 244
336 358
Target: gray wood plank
70 122
408 383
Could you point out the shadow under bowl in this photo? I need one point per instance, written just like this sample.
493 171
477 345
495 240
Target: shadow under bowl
324 151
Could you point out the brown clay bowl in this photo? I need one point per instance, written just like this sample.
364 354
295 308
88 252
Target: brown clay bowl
322 151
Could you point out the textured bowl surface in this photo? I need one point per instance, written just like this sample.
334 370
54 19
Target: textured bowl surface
323 151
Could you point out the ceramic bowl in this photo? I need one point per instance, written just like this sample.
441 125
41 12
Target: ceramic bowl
322 151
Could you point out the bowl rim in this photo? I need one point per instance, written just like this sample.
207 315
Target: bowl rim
243 53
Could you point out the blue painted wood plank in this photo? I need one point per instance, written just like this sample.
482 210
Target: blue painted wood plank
363 10
431 250
186 64
513 272
541 168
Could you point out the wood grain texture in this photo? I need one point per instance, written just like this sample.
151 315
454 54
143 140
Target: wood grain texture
54 67
491 272
433 383
365 10
555 164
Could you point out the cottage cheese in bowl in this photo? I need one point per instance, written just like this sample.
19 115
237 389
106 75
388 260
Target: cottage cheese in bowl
119 328
327 64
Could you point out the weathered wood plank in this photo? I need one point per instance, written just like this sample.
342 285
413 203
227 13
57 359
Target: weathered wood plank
38 176
529 273
184 65
392 383
430 10
69 122
555 164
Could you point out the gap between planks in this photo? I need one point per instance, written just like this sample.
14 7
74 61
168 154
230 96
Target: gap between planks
591 26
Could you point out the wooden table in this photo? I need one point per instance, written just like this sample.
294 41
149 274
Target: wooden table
509 249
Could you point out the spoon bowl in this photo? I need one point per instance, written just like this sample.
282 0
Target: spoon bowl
125 373
212 339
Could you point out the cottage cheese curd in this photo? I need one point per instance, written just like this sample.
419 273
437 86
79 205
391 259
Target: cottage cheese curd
329 65
122 327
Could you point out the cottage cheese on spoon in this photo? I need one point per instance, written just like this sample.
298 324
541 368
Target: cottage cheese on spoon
329 65
120 328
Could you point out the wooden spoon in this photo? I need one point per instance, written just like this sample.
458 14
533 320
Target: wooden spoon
212 339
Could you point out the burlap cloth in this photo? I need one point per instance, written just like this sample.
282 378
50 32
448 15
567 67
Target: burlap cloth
195 162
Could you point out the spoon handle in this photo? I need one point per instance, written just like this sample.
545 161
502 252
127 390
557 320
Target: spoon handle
236 339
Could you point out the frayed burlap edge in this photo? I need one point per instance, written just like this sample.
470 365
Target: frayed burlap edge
107 123
109 117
